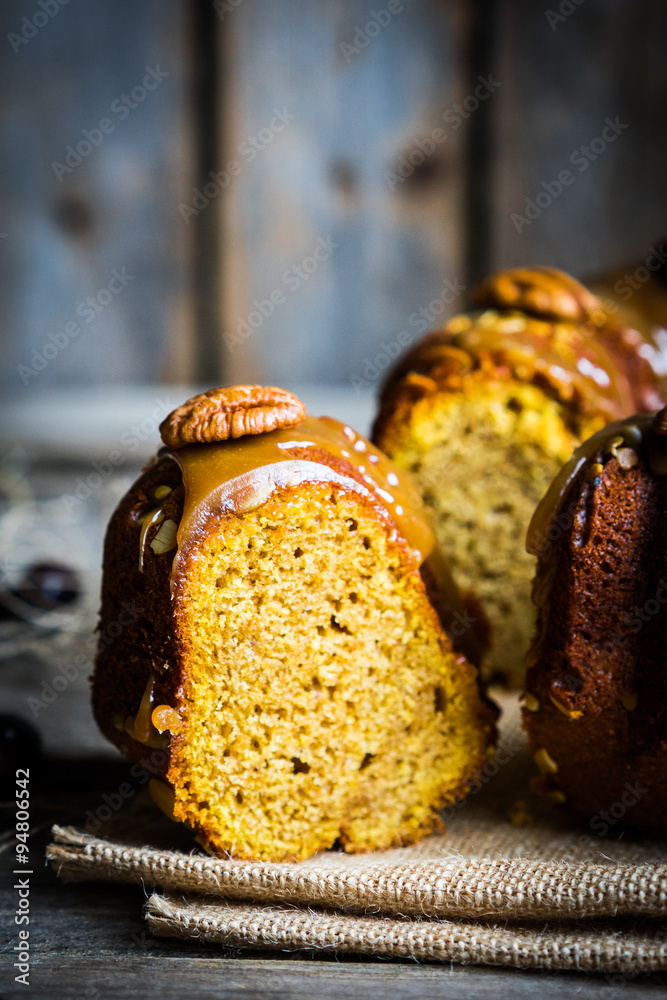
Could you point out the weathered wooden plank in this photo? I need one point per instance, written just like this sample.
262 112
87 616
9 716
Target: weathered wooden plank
94 151
260 979
563 76
323 106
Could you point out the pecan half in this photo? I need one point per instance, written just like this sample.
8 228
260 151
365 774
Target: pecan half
541 291
231 412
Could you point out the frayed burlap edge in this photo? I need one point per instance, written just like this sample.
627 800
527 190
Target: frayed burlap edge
280 928
505 888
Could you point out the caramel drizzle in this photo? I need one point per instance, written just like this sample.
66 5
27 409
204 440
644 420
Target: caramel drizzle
153 517
573 358
151 722
579 360
164 718
142 722
645 311
138 726
640 433
637 432
240 475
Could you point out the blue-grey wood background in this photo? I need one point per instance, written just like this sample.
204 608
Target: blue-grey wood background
351 127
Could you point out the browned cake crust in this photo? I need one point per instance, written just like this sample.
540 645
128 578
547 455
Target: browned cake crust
596 686
143 667
500 397
129 656
567 339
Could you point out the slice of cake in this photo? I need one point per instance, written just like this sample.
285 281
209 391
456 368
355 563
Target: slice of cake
289 677
595 706
485 412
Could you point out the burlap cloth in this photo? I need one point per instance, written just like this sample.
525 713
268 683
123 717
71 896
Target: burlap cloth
512 882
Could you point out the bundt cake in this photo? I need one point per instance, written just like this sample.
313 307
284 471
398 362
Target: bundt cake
483 414
636 295
595 706
288 681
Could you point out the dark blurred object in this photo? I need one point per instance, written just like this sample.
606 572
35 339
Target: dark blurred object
49 585
20 747
44 587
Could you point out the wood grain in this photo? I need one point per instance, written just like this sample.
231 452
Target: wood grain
68 230
359 104
560 80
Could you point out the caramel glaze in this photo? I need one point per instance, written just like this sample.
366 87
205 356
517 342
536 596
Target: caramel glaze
152 517
152 721
623 439
602 370
239 475
636 432
641 303
141 727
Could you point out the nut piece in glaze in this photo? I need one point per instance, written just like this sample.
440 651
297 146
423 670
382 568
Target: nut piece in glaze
224 413
541 291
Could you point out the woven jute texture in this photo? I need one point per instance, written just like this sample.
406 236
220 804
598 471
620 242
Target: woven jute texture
603 948
507 856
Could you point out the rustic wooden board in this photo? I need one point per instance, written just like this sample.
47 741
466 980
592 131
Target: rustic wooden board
561 78
364 85
361 94
67 229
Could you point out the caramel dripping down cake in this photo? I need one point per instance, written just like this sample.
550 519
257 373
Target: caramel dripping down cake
289 678
485 412
595 706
